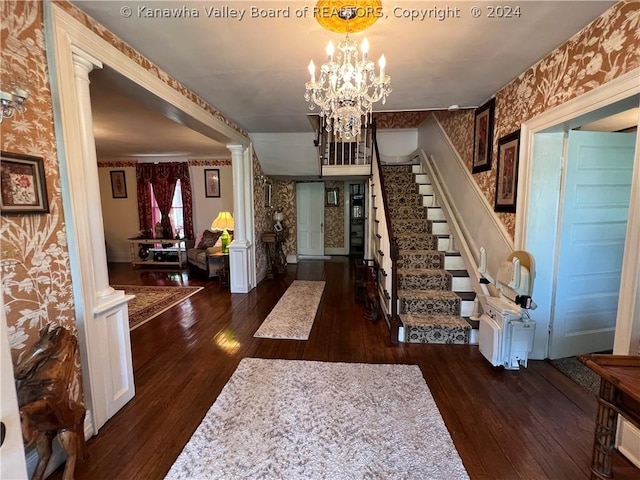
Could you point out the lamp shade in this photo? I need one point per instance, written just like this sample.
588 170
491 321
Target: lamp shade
224 221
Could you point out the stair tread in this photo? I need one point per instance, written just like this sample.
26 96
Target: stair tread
422 271
466 296
406 251
452 254
439 294
418 319
459 273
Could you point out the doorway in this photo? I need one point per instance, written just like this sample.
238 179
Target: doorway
543 151
101 311
310 218
594 206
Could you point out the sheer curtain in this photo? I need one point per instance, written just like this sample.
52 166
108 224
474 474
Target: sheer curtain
163 177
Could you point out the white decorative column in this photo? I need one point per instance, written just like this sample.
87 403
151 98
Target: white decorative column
82 66
239 249
102 312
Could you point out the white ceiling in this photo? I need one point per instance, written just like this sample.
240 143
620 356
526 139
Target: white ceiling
254 70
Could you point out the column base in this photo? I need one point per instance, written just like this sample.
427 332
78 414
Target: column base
240 281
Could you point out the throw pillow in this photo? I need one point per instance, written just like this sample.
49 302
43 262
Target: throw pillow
209 239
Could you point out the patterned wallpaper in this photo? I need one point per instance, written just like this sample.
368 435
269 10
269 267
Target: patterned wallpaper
34 259
602 51
399 119
261 214
285 200
334 218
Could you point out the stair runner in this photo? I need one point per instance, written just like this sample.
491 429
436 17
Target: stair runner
429 309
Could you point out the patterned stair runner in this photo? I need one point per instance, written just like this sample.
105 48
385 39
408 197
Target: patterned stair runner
429 309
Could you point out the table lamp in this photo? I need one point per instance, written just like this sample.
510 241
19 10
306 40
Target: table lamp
224 222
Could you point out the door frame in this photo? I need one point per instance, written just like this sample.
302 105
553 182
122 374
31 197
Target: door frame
573 113
559 119
67 38
298 187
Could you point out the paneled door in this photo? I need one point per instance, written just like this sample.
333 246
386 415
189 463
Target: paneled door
310 218
593 224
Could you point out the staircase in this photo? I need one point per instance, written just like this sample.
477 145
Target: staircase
434 290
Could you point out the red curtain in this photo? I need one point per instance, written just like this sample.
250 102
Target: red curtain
163 177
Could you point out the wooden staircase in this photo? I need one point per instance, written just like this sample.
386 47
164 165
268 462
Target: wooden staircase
435 295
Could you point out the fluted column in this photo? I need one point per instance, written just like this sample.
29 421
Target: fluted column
81 68
240 247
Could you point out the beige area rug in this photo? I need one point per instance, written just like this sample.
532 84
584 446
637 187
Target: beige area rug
293 315
305 420
152 301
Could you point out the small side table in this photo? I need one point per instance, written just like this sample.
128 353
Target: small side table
276 259
223 271
619 394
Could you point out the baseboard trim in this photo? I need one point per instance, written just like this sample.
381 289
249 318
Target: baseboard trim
336 251
293 259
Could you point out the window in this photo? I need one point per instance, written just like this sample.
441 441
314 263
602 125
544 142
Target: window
176 214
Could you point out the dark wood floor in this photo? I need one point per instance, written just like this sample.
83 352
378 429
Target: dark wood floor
529 424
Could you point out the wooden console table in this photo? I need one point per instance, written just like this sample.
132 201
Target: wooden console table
276 259
619 394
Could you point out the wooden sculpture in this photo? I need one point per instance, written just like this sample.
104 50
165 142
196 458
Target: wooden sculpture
44 373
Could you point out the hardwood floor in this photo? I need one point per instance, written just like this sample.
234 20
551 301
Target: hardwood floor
529 424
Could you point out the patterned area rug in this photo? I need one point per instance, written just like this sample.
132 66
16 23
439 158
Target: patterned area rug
293 315
579 373
152 301
301 420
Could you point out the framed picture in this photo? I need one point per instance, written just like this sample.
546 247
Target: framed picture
118 184
483 137
23 184
332 197
507 172
212 182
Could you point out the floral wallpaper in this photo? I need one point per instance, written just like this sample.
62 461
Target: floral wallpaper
399 119
34 259
600 52
262 217
334 218
285 200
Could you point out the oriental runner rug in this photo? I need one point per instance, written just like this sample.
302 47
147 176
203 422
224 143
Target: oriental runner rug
293 315
152 301
302 420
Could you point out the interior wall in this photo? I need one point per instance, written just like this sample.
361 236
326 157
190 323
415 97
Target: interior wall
34 258
602 51
120 215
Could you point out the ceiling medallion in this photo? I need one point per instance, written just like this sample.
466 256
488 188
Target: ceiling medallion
348 84
331 14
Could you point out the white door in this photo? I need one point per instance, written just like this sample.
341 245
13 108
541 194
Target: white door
310 218
12 459
593 224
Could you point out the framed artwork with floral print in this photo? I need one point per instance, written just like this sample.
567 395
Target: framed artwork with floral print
507 173
23 184
212 182
483 137
118 184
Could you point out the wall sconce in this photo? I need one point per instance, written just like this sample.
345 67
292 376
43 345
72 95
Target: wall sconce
263 179
12 100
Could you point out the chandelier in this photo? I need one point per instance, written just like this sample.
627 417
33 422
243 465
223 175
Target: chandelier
348 85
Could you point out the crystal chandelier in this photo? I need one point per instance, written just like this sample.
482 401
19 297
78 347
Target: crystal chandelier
348 85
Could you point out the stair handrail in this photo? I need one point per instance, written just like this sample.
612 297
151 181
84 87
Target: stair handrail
394 249
459 232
